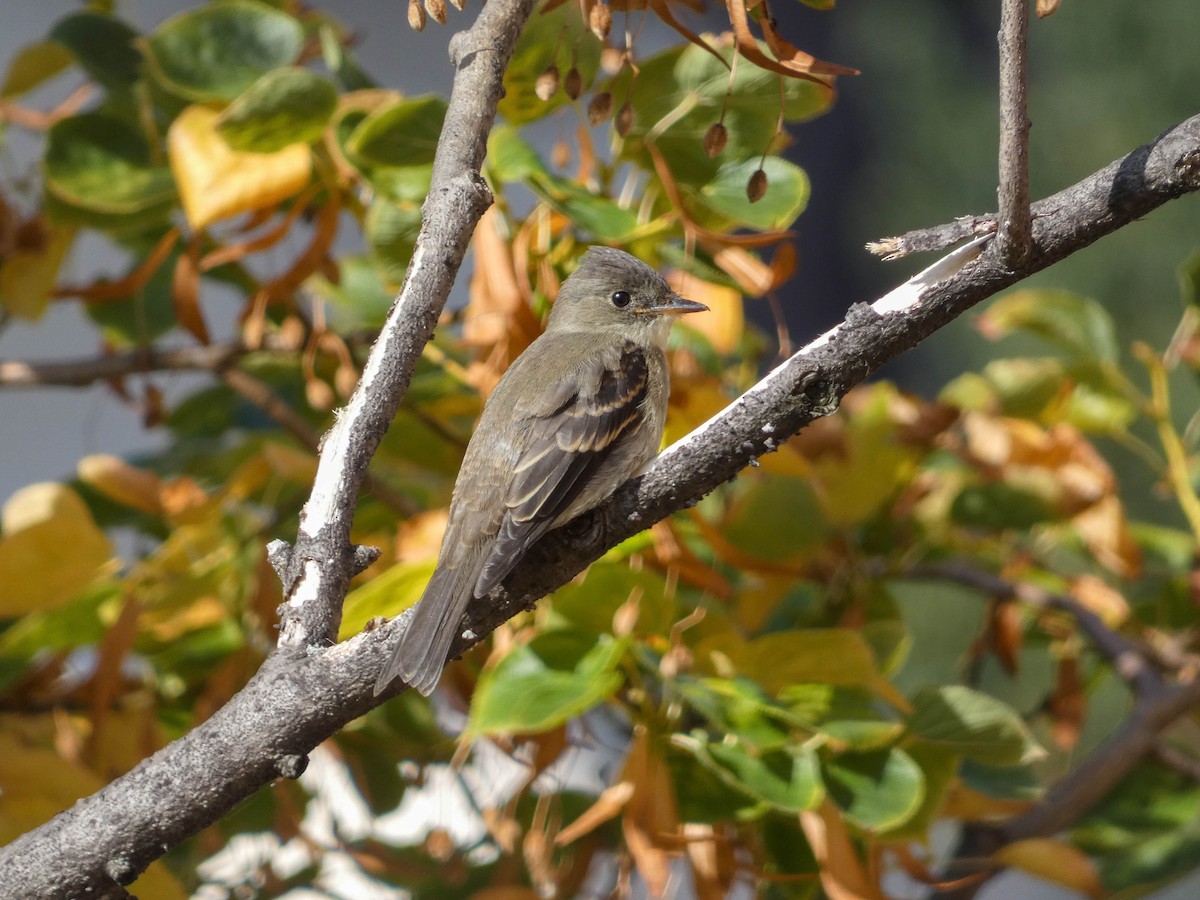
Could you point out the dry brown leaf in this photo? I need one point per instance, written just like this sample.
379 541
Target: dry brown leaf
1055 861
752 275
131 283
1067 705
663 11
1101 598
843 875
185 293
116 479
650 814
712 861
1007 633
607 806
797 65
234 252
1105 530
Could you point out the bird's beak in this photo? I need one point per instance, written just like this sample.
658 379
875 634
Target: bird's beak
677 306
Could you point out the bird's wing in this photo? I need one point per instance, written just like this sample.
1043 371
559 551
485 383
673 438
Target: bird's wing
570 439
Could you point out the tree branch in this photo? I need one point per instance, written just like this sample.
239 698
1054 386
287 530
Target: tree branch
1014 233
89 370
1158 705
297 700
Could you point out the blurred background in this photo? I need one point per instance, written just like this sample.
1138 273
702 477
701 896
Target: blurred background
911 142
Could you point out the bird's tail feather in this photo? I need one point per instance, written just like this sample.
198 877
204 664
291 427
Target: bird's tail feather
421 654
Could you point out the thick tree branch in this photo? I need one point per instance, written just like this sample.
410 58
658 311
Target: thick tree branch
296 701
113 835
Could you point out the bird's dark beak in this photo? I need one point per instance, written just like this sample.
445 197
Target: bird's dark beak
677 306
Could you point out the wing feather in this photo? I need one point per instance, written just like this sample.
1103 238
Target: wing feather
567 445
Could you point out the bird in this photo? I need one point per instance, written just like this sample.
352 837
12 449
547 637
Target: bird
577 414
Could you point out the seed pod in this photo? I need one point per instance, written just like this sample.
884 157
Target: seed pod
573 85
624 118
600 108
458 4
560 155
416 15
756 187
714 139
437 9
600 20
546 85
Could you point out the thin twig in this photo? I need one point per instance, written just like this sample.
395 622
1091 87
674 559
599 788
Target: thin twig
259 393
1015 232
1129 661
88 370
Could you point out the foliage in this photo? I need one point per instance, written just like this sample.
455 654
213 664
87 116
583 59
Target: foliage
797 693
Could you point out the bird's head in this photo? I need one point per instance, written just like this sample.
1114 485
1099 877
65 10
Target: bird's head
612 291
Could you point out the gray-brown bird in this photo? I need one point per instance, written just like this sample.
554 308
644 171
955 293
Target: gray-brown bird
577 414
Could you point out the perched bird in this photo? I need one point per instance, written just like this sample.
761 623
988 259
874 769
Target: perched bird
577 414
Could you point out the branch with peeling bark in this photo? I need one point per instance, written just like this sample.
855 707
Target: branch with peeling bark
310 688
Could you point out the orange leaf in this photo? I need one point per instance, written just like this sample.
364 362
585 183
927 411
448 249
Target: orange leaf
116 479
185 293
1067 705
843 875
650 813
607 806
131 283
234 252
1055 861
795 65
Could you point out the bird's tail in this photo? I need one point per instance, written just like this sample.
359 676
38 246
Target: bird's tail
421 654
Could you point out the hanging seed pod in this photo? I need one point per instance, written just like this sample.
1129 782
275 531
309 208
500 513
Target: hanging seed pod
600 107
600 20
714 139
756 187
624 119
416 15
573 84
560 155
546 85
437 9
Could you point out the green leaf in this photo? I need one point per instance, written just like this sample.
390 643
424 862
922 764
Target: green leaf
722 203
360 299
391 231
100 164
1146 831
216 52
511 158
1078 325
877 791
1188 275
998 505
558 36
600 216
387 594
286 106
539 686
590 604
146 315
104 46
682 91
786 780
938 768
849 716
400 134
33 65
974 724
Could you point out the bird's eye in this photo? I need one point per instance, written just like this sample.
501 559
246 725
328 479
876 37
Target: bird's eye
621 299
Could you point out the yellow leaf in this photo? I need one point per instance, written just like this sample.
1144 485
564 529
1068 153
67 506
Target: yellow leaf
725 320
28 274
50 551
216 182
119 481
1054 861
